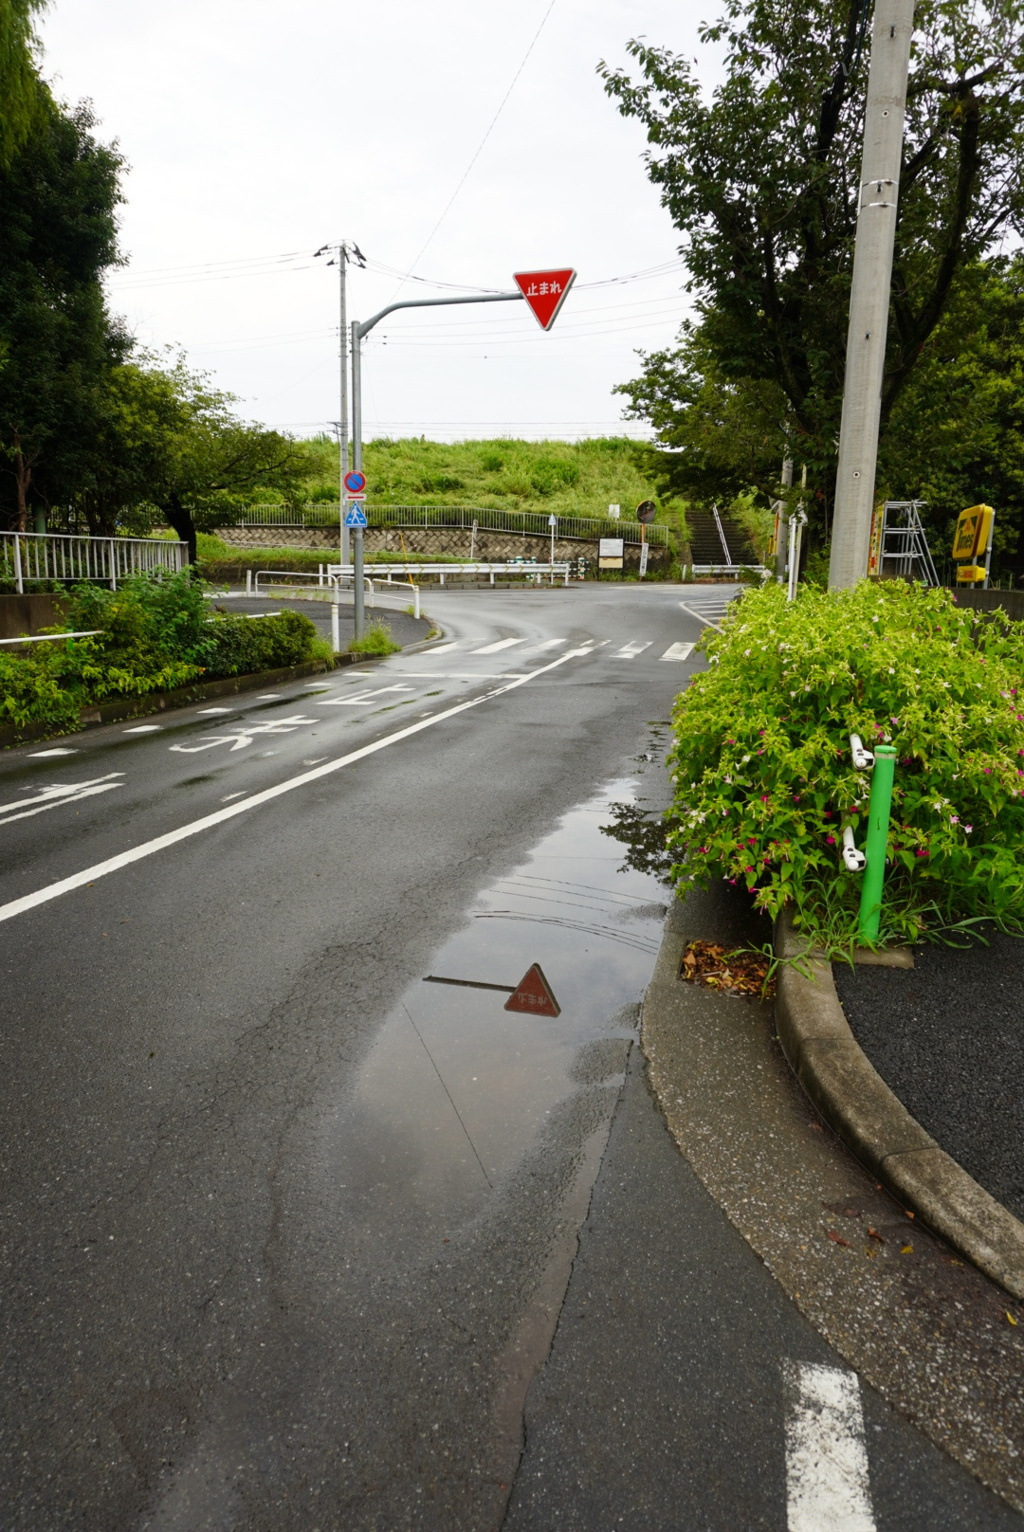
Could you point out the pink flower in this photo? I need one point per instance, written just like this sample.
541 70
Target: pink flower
830 840
968 829
919 852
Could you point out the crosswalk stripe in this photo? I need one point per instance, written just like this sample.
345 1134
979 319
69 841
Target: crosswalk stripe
443 648
502 643
678 652
552 643
632 649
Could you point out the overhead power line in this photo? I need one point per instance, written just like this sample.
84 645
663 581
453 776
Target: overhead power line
480 147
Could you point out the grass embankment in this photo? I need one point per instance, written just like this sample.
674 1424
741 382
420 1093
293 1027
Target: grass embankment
569 478
156 634
219 560
764 781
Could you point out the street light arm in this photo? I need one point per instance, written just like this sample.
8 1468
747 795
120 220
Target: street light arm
364 328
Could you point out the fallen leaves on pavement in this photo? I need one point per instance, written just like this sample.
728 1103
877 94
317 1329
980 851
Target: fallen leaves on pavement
734 972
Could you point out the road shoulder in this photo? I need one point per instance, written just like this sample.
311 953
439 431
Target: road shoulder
924 1328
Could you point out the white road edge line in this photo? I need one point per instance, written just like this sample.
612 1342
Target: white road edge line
700 616
221 816
827 1481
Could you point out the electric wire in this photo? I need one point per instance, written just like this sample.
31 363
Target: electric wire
480 147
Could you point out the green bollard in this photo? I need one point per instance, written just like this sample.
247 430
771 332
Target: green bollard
877 842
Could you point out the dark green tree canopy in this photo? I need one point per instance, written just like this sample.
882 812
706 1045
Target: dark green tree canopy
762 180
58 235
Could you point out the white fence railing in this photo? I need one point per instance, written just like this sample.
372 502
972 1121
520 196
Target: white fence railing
525 523
29 556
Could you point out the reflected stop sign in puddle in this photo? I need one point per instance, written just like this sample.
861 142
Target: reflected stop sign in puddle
468 1066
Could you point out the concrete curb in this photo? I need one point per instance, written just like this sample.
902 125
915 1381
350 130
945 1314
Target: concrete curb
857 1104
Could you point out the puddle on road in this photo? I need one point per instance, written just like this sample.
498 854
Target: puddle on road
457 1089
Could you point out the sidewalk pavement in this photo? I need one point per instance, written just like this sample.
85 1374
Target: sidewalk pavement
940 1341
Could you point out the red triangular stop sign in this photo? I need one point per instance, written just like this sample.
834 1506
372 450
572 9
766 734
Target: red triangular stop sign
534 995
545 292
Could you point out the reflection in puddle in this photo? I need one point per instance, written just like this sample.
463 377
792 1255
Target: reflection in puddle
458 1088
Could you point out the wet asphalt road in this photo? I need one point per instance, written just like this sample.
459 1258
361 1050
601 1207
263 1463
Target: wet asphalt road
287 1232
948 1037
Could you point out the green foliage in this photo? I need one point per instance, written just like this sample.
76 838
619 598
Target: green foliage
762 179
376 640
763 777
156 633
58 344
21 90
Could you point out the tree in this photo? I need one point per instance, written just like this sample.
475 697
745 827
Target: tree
171 441
21 90
763 182
58 342
957 432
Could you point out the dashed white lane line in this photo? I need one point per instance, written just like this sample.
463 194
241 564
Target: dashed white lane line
210 710
678 652
502 643
552 643
362 699
827 1482
44 755
269 696
161 842
144 728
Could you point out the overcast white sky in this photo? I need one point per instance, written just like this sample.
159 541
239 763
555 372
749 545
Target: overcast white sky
256 130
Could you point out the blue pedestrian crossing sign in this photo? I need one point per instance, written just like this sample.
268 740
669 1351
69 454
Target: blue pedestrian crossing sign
355 516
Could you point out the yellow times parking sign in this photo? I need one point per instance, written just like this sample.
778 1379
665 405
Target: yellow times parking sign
973 527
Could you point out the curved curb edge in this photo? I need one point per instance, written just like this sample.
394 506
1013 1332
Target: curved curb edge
873 1123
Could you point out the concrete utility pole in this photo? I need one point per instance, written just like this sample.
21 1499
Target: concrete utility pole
340 254
870 290
782 536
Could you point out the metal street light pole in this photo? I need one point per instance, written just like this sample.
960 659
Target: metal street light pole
870 290
360 329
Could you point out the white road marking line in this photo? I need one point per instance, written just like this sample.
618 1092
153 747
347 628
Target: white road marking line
552 643
55 794
144 728
631 650
228 796
463 675
238 739
44 755
678 652
269 696
693 611
149 848
362 699
443 648
827 1482
206 710
502 643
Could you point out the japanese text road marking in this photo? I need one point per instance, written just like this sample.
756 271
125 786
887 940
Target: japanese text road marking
239 738
57 793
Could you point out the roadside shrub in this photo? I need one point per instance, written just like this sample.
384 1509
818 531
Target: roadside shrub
764 782
156 633
240 645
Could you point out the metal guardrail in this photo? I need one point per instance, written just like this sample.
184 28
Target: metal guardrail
524 523
50 638
383 573
29 556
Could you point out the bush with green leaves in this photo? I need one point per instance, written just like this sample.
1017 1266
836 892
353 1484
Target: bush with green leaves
155 633
764 780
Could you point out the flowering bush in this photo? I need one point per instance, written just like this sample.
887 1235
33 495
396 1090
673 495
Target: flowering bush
764 781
